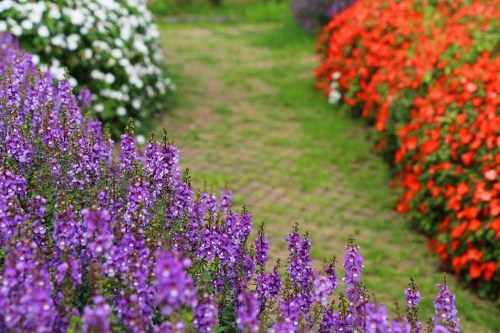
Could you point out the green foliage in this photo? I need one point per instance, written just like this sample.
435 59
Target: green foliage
250 11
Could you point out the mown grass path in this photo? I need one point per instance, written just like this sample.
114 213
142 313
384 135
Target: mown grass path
247 115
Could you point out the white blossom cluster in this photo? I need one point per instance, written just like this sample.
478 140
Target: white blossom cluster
111 46
334 96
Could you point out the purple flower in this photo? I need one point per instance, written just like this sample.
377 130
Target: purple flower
128 154
169 327
299 267
446 312
206 315
353 265
377 319
331 273
440 329
274 281
85 96
261 248
412 295
248 313
322 289
282 327
401 326
263 289
174 286
290 310
97 319
225 201
333 322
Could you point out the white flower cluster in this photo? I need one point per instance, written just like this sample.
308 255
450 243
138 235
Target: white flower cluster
111 46
335 95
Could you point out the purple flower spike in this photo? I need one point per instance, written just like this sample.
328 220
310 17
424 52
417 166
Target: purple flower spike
97 319
175 286
85 96
445 309
412 295
248 313
353 265
206 315
322 289
261 248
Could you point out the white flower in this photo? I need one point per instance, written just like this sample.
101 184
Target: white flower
334 97
77 18
54 12
73 40
109 78
59 41
87 53
141 139
43 31
136 103
336 75
116 53
16 30
73 82
99 108
121 111
6 4
3 26
26 24
36 59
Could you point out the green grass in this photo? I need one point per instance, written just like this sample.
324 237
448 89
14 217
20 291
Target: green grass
333 182
248 11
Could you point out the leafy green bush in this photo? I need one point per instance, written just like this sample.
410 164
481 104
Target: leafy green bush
110 46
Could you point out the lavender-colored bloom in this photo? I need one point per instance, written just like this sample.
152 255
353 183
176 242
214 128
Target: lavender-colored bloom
261 248
282 327
263 292
274 281
353 265
96 319
175 287
290 310
299 267
85 96
401 326
226 199
206 315
446 312
248 313
169 327
333 322
331 273
128 154
441 329
376 319
412 295
322 289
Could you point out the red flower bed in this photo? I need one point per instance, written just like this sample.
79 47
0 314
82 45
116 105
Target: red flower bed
426 76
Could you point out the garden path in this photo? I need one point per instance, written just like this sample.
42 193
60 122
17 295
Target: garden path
247 115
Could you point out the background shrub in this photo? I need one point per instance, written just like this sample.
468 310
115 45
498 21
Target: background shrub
312 15
425 77
110 47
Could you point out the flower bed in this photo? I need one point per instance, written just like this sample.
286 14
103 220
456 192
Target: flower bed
109 46
426 78
90 243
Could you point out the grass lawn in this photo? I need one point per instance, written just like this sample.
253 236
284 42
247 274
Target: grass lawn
247 115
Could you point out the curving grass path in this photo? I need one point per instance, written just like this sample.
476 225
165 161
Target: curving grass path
247 115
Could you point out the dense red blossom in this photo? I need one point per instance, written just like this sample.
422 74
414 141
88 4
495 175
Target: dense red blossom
427 78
